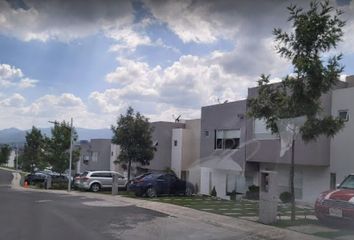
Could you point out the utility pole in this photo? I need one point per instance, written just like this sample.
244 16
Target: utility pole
71 154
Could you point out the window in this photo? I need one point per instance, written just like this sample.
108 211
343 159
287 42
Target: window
206 133
344 115
333 181
175 143
94 156
227 139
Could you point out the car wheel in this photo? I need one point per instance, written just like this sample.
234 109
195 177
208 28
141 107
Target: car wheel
188 192
151 192
95 187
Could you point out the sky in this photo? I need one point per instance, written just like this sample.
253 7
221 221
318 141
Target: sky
91 59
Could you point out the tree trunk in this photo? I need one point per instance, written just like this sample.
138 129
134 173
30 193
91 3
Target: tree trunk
129 167
292 176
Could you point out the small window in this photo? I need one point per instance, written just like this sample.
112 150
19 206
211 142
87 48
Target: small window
333 181
94 156
227 139
206 133
175 143
344 115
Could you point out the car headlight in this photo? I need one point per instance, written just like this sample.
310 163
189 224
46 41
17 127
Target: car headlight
321 198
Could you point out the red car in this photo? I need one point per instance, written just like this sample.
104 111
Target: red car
337 204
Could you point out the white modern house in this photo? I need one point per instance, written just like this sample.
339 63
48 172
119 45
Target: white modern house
97 154
342 145
319 164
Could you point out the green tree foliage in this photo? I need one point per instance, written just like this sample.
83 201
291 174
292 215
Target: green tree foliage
315 31
33 154
58 147
5 151
133 135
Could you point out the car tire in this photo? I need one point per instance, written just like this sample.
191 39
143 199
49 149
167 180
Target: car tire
151 192
95 187
188 192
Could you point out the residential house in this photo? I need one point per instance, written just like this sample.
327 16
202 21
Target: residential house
342 151
97 154
222 148
234 149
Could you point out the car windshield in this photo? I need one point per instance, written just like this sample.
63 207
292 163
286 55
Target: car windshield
348 183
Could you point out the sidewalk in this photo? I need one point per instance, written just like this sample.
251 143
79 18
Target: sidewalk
250 229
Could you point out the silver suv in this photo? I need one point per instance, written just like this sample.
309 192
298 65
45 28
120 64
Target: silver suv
96 180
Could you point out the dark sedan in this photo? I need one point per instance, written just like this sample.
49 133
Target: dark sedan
37 177
155 184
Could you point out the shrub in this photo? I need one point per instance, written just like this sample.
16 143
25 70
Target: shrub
286 197
233 195
253 188
213 192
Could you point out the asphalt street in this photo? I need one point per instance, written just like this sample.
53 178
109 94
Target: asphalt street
27 214
37 215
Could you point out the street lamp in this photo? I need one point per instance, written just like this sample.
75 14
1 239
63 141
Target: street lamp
71 151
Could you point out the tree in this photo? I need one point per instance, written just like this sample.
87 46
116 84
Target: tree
315 32
5 151
133 135
33 155
58 147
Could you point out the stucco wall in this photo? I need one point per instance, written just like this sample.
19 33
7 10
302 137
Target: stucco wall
315 153
225 116
103 149
162 134
342 148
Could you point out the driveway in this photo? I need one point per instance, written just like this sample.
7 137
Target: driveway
36 214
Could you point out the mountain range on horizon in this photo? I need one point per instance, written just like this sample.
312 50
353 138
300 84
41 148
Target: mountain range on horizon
17 136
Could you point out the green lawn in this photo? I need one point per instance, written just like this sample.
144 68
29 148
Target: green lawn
243 209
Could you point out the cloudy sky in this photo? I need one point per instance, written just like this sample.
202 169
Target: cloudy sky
91 59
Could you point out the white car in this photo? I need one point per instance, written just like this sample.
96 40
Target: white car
97 180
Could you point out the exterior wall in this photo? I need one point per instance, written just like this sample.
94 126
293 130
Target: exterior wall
225 116
162 134
342 151
192 146
12 159
115 150
315 153
95 155
310 181
177 151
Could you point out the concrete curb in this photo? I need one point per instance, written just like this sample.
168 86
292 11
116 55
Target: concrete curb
252 229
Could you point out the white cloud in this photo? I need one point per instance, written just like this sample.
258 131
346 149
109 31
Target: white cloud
9 72
69 20
55 19
184 86
127 39
11 76
27 83
16 100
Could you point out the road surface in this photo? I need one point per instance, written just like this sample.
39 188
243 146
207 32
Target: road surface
45 215
31 215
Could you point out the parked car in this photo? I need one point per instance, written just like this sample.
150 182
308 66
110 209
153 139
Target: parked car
41 176
36 177
154 184
97 180
76 180
337 204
